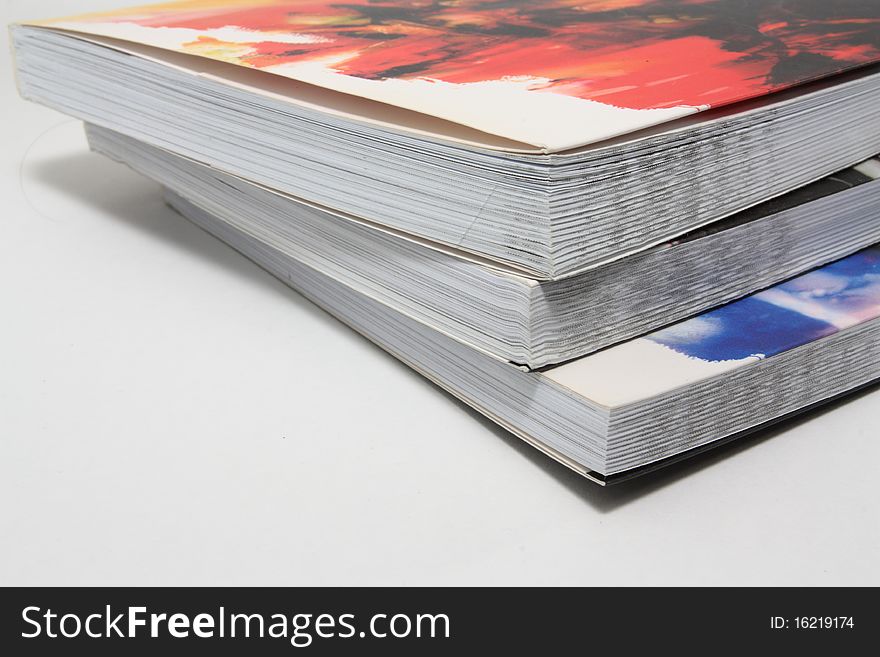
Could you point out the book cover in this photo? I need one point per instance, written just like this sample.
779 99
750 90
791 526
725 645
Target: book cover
552 74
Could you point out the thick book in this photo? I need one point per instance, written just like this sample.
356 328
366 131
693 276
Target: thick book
649 401
519 319
550 137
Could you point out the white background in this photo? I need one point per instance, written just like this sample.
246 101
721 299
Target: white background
170 414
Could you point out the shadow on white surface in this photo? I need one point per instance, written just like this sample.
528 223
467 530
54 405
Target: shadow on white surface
136 202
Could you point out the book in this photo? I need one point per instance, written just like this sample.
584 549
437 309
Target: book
646 402
625 231
519 319
548 137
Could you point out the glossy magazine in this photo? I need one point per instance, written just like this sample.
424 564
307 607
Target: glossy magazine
553 75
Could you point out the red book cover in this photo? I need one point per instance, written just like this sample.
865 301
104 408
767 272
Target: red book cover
552 74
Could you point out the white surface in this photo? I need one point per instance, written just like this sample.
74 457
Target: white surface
170 414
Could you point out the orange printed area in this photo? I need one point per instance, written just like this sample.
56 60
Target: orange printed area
636 54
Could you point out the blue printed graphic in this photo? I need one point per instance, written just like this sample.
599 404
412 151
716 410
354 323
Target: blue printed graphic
812 306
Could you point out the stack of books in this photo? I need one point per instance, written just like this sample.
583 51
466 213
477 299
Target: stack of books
625 231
